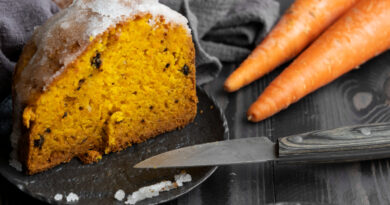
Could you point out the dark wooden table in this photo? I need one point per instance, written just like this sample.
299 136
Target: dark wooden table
362 96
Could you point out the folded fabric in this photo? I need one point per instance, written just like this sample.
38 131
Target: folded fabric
17 21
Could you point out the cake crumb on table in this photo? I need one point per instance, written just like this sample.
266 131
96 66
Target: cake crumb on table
72 197
120 195
155 189
58 197
181 178
149 192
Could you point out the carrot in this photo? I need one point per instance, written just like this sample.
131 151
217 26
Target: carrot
362 33
298 27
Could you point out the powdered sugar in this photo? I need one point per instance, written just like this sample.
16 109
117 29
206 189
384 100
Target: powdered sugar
155 189
119 195
72 197
117 10
149 192
65 25
58 197
181 178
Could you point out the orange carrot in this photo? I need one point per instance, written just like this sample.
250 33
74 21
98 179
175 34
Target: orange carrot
362 33
300 25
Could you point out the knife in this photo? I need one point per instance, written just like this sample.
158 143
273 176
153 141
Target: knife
352 143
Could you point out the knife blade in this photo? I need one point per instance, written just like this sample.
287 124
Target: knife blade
352 143
247 150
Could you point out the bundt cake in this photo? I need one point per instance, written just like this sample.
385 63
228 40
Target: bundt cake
98 77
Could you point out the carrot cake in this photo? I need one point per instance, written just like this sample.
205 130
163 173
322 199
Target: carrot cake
100 76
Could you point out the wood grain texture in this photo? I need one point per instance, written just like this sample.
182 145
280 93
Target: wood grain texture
357 98
344 144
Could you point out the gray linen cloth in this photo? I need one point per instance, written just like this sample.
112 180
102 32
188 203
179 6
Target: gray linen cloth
223 31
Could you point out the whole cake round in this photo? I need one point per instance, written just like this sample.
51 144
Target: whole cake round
98 77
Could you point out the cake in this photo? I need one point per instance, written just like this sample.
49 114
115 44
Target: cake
98 77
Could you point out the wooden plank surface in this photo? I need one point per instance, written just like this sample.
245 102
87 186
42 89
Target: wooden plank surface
357 98
361 96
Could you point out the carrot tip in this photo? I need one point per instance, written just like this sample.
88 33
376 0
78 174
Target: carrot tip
227 88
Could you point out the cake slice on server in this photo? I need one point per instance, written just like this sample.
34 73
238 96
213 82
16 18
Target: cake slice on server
98 77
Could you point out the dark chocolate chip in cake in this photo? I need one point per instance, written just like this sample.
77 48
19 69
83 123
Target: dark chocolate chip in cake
48 130
167 65
166 49
176 101
65 114
151 107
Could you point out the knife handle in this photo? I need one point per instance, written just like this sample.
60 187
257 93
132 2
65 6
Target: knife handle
353 143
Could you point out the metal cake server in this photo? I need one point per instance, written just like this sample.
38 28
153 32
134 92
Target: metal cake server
353 143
